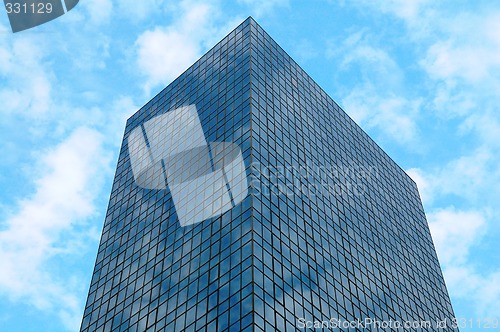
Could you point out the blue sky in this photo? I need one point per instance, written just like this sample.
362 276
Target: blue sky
421 77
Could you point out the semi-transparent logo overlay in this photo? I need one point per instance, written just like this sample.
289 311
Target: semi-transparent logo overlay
26 14
205 179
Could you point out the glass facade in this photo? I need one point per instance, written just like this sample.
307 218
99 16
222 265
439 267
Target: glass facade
245 199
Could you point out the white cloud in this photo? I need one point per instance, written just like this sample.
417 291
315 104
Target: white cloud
377 100
393 115
375 64
29 90
370 58
163 53
465 175
459 232
472 177
36 240
479 290
99 11
468 49
486 125
459 52
460 57
413 12
48 231
449 100
455 234
409 10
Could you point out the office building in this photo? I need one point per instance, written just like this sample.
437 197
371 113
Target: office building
246 199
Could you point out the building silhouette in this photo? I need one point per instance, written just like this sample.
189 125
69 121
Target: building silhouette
246 199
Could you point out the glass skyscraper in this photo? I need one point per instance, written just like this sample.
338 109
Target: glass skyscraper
245 199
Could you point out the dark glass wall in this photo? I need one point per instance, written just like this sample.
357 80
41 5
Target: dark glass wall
152 273
339 230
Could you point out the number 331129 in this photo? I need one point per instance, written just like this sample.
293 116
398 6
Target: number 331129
34 8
